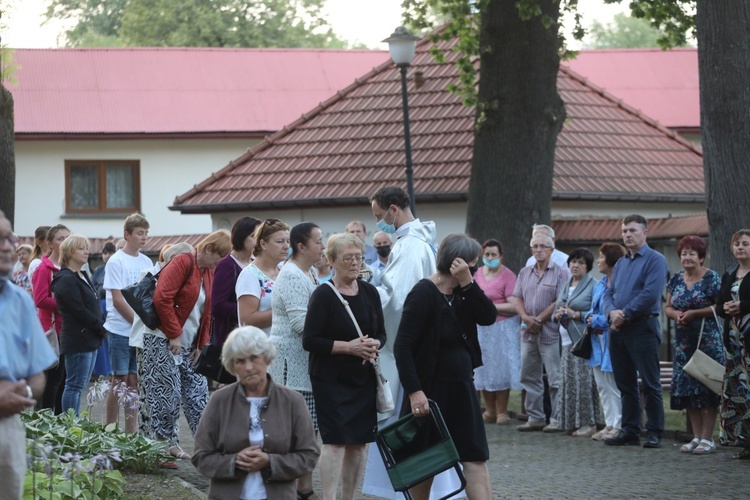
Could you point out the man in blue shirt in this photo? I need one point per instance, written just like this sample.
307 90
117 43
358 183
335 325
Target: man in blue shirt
632 304
24 355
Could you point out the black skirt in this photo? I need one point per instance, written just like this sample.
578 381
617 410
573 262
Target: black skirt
346 410
460 408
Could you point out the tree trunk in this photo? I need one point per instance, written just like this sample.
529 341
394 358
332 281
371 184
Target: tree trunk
723 48
519 115
7 156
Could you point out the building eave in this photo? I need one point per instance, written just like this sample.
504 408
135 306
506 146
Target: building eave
98 136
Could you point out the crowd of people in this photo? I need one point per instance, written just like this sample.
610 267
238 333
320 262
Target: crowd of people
435 323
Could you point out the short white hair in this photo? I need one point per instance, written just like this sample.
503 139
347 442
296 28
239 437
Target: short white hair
244 342
542 228
541 236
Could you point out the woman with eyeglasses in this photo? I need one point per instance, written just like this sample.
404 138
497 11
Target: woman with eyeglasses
255 283
341 370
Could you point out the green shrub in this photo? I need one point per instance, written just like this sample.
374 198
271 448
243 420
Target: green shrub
73 457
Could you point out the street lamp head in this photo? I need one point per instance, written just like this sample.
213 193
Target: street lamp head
402 45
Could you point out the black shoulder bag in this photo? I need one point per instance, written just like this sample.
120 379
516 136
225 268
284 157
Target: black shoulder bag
140 296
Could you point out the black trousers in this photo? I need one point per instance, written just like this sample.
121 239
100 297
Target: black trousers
53 389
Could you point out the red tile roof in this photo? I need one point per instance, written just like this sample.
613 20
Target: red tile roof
176 90
346 148
579 231
662 84
596 230
152 247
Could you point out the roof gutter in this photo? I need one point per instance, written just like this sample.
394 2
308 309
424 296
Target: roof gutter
318 202
638 197
98 136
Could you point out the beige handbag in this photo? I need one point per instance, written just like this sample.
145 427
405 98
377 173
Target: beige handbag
704 368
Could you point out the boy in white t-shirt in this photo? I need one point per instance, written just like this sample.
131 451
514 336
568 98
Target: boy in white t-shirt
123 270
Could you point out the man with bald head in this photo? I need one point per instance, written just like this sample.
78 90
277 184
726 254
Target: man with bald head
382 243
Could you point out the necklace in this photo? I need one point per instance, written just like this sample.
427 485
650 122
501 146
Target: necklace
447 296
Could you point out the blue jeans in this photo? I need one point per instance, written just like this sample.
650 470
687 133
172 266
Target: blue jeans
121 355
78 366
634 350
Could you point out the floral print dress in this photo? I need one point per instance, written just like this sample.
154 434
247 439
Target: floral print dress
735 407
685 391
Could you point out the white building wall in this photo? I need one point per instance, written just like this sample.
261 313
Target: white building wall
451 217
168 168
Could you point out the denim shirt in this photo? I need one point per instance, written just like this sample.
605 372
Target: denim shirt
24 350
599 354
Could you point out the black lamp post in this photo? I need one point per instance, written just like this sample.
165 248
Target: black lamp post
402 45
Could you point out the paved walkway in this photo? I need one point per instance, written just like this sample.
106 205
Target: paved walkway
538 465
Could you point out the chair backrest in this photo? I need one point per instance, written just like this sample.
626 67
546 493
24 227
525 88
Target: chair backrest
409 458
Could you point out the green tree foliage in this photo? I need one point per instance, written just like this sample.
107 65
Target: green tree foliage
721 28
197 23
517 45
99 21
624 32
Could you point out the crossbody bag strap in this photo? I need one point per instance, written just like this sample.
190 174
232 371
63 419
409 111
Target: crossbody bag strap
346 306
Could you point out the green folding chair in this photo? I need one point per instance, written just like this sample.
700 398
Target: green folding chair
416 449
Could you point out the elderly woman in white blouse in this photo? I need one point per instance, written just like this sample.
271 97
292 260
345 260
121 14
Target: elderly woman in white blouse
294 286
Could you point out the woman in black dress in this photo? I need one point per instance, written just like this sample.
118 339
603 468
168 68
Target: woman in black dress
437 350
341 372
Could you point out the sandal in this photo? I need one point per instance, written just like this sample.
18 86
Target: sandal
310 495
688 448
489 418
705 447
599 436
502 419
168 464
179 453
743 455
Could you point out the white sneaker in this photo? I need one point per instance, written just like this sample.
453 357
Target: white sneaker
553 426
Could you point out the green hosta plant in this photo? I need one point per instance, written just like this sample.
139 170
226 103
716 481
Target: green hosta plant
73 457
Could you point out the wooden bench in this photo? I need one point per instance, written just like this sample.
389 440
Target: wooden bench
665 374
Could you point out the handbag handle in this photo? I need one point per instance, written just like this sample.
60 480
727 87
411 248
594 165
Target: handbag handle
376 361
703 324
346 306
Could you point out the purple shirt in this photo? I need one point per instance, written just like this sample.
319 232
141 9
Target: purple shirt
224 299
538 292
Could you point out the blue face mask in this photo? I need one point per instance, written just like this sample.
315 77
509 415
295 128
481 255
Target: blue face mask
492 264
289 254
385 227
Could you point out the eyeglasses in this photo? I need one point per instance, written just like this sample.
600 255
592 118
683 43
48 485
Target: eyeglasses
351 258
271 222
540 247
11 238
